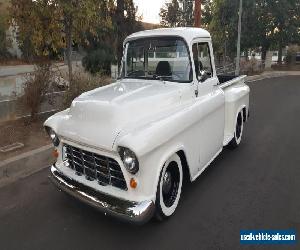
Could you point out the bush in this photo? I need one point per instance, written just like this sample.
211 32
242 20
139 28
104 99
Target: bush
82 82
291 54
36 86
98 61
251 67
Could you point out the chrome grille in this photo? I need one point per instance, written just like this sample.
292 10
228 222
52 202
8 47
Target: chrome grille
103 169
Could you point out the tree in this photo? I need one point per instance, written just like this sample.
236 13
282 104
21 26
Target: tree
4 41
171 14
187 12
99 59
265 24
105 45
46 34
286 23
57 23
177 13
119 20
126 22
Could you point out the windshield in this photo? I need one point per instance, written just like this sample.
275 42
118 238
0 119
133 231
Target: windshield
164 58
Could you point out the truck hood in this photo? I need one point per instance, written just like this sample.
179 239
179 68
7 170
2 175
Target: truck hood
98 116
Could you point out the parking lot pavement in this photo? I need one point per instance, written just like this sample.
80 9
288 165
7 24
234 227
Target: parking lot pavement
253 187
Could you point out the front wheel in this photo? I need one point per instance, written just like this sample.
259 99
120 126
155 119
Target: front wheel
169 187
236 140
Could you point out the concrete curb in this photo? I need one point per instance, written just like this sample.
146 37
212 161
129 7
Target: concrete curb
25 164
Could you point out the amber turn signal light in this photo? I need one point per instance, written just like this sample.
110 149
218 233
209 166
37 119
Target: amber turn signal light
55 153
133 183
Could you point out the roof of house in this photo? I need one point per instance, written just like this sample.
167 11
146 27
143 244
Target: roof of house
185 32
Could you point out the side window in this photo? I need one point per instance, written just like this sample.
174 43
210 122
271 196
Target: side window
135 59
202 59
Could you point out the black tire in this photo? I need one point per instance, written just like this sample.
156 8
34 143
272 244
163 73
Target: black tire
169 188
238 133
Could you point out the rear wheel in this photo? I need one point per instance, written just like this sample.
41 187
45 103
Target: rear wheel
169 188
239 126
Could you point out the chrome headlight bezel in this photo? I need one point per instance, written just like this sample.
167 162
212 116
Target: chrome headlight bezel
129 159
53 136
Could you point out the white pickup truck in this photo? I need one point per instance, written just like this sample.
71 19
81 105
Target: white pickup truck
125 148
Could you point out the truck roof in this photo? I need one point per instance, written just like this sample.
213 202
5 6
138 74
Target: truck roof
187 33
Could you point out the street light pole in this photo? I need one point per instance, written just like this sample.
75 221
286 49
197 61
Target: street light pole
238 47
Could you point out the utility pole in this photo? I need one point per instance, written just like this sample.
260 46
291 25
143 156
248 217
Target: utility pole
197 13
238 46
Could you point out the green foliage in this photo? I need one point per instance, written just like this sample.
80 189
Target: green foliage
187 12
4 41
177 13
105 45
265 23
125 22
99 60
59 24
37 25
290 58
171 14
44 28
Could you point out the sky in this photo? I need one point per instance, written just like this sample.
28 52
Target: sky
149 9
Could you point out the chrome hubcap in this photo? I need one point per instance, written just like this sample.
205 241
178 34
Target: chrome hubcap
170 184
239 127
167 182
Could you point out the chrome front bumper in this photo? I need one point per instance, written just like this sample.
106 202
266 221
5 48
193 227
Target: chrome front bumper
136 212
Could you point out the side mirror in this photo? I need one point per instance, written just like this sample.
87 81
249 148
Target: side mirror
203 75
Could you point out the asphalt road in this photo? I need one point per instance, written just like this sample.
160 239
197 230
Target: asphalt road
256 186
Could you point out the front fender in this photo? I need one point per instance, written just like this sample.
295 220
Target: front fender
55 120
143 140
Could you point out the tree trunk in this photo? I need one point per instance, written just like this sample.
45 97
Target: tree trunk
264 53
68 31
280 52
247 55
120 22
197 13
225 53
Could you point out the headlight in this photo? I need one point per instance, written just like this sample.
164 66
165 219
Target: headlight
53 136
129 159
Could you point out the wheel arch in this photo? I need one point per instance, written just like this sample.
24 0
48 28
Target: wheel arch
185 165
242 109
180 151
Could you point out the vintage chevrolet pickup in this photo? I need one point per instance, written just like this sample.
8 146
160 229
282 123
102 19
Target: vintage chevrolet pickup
126 148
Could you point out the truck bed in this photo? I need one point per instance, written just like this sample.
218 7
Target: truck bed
226 78
236 98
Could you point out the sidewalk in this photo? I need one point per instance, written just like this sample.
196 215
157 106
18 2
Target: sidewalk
6 71
25 164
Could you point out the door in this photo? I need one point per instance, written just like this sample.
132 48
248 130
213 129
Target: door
211 102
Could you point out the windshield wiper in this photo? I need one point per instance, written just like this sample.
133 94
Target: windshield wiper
162 78
138 77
